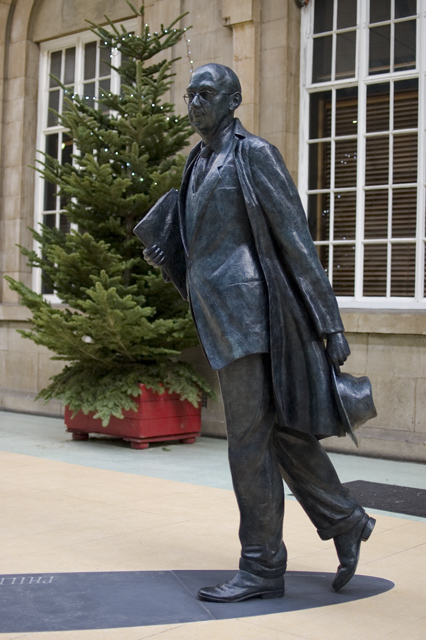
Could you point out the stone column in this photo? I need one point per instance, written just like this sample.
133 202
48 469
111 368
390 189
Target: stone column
243 16
19 130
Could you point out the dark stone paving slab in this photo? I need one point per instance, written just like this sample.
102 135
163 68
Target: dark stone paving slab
389 497
107 600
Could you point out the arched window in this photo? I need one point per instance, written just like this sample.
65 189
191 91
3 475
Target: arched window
82 67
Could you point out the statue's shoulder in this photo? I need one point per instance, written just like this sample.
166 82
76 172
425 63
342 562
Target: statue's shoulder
251 144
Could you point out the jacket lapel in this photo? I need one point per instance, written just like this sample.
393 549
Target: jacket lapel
204 193
183 191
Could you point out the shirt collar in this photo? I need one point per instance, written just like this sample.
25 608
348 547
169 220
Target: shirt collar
221 139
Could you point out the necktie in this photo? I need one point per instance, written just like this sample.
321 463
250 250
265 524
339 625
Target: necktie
201 167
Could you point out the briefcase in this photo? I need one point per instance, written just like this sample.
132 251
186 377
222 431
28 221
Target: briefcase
160 226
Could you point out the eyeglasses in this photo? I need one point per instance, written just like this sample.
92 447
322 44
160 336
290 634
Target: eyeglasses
204 96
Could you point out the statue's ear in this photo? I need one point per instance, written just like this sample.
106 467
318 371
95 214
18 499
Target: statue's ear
236 100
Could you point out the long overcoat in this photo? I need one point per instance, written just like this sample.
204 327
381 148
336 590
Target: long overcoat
301 304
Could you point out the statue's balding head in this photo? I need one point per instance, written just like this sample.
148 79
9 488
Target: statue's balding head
213 95
224 78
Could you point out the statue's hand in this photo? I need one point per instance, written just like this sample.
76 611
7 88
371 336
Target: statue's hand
154 256
337 350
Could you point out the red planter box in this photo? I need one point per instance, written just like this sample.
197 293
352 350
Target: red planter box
158 417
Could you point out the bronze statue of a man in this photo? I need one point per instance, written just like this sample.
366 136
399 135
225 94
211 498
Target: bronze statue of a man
268 321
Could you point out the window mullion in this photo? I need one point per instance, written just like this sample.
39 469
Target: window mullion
362 127
421 168
332 185
334 43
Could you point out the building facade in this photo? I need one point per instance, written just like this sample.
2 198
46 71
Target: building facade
337 85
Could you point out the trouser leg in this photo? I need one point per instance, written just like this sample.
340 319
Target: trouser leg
309 472
250 416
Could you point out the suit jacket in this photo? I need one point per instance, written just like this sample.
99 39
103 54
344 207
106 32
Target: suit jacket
254 278
226 286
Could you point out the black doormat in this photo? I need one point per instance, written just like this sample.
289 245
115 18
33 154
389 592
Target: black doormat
389 497
77 601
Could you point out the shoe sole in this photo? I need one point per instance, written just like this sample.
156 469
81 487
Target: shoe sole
368 529
279 593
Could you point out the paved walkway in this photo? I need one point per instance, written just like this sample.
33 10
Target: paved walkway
100 506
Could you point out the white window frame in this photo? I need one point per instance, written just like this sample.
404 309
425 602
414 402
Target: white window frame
361 80
46 49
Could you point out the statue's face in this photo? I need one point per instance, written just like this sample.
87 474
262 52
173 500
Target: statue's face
211 102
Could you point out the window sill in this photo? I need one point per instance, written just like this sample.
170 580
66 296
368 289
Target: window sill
379 321
354 320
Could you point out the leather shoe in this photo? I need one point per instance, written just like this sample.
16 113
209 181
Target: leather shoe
243 586
348 547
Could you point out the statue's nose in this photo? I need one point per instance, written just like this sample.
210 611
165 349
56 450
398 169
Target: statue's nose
196 98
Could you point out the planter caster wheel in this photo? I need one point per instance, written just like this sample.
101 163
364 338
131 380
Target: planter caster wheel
187 440
139 445
80 436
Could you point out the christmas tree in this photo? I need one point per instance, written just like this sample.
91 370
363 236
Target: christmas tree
119 325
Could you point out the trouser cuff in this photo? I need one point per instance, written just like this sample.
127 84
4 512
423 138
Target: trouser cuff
344 525
261 570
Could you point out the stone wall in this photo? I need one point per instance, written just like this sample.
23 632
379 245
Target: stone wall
260 39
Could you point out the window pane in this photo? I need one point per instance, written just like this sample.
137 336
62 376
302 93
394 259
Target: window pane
49 220
403 269
64 224
344 270
405 158
89 93
319 216
375 269
104 86
405 45
105 60
321 69
67 149
376 214
90 60
347 111
68 93
69 66
404 216
344 216
406 104
345 55
380 10
52 145
378 107
346 14
49 197
404 8
46 287
52 118
55 68
346 163
379 50
323 254
319 165
323 20
318 117
377 161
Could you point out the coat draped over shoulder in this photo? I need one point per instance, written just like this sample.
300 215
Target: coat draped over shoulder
302 305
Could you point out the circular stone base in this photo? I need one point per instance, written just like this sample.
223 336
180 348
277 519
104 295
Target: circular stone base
76 601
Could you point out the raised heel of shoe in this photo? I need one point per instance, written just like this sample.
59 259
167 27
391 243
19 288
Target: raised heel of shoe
368 529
